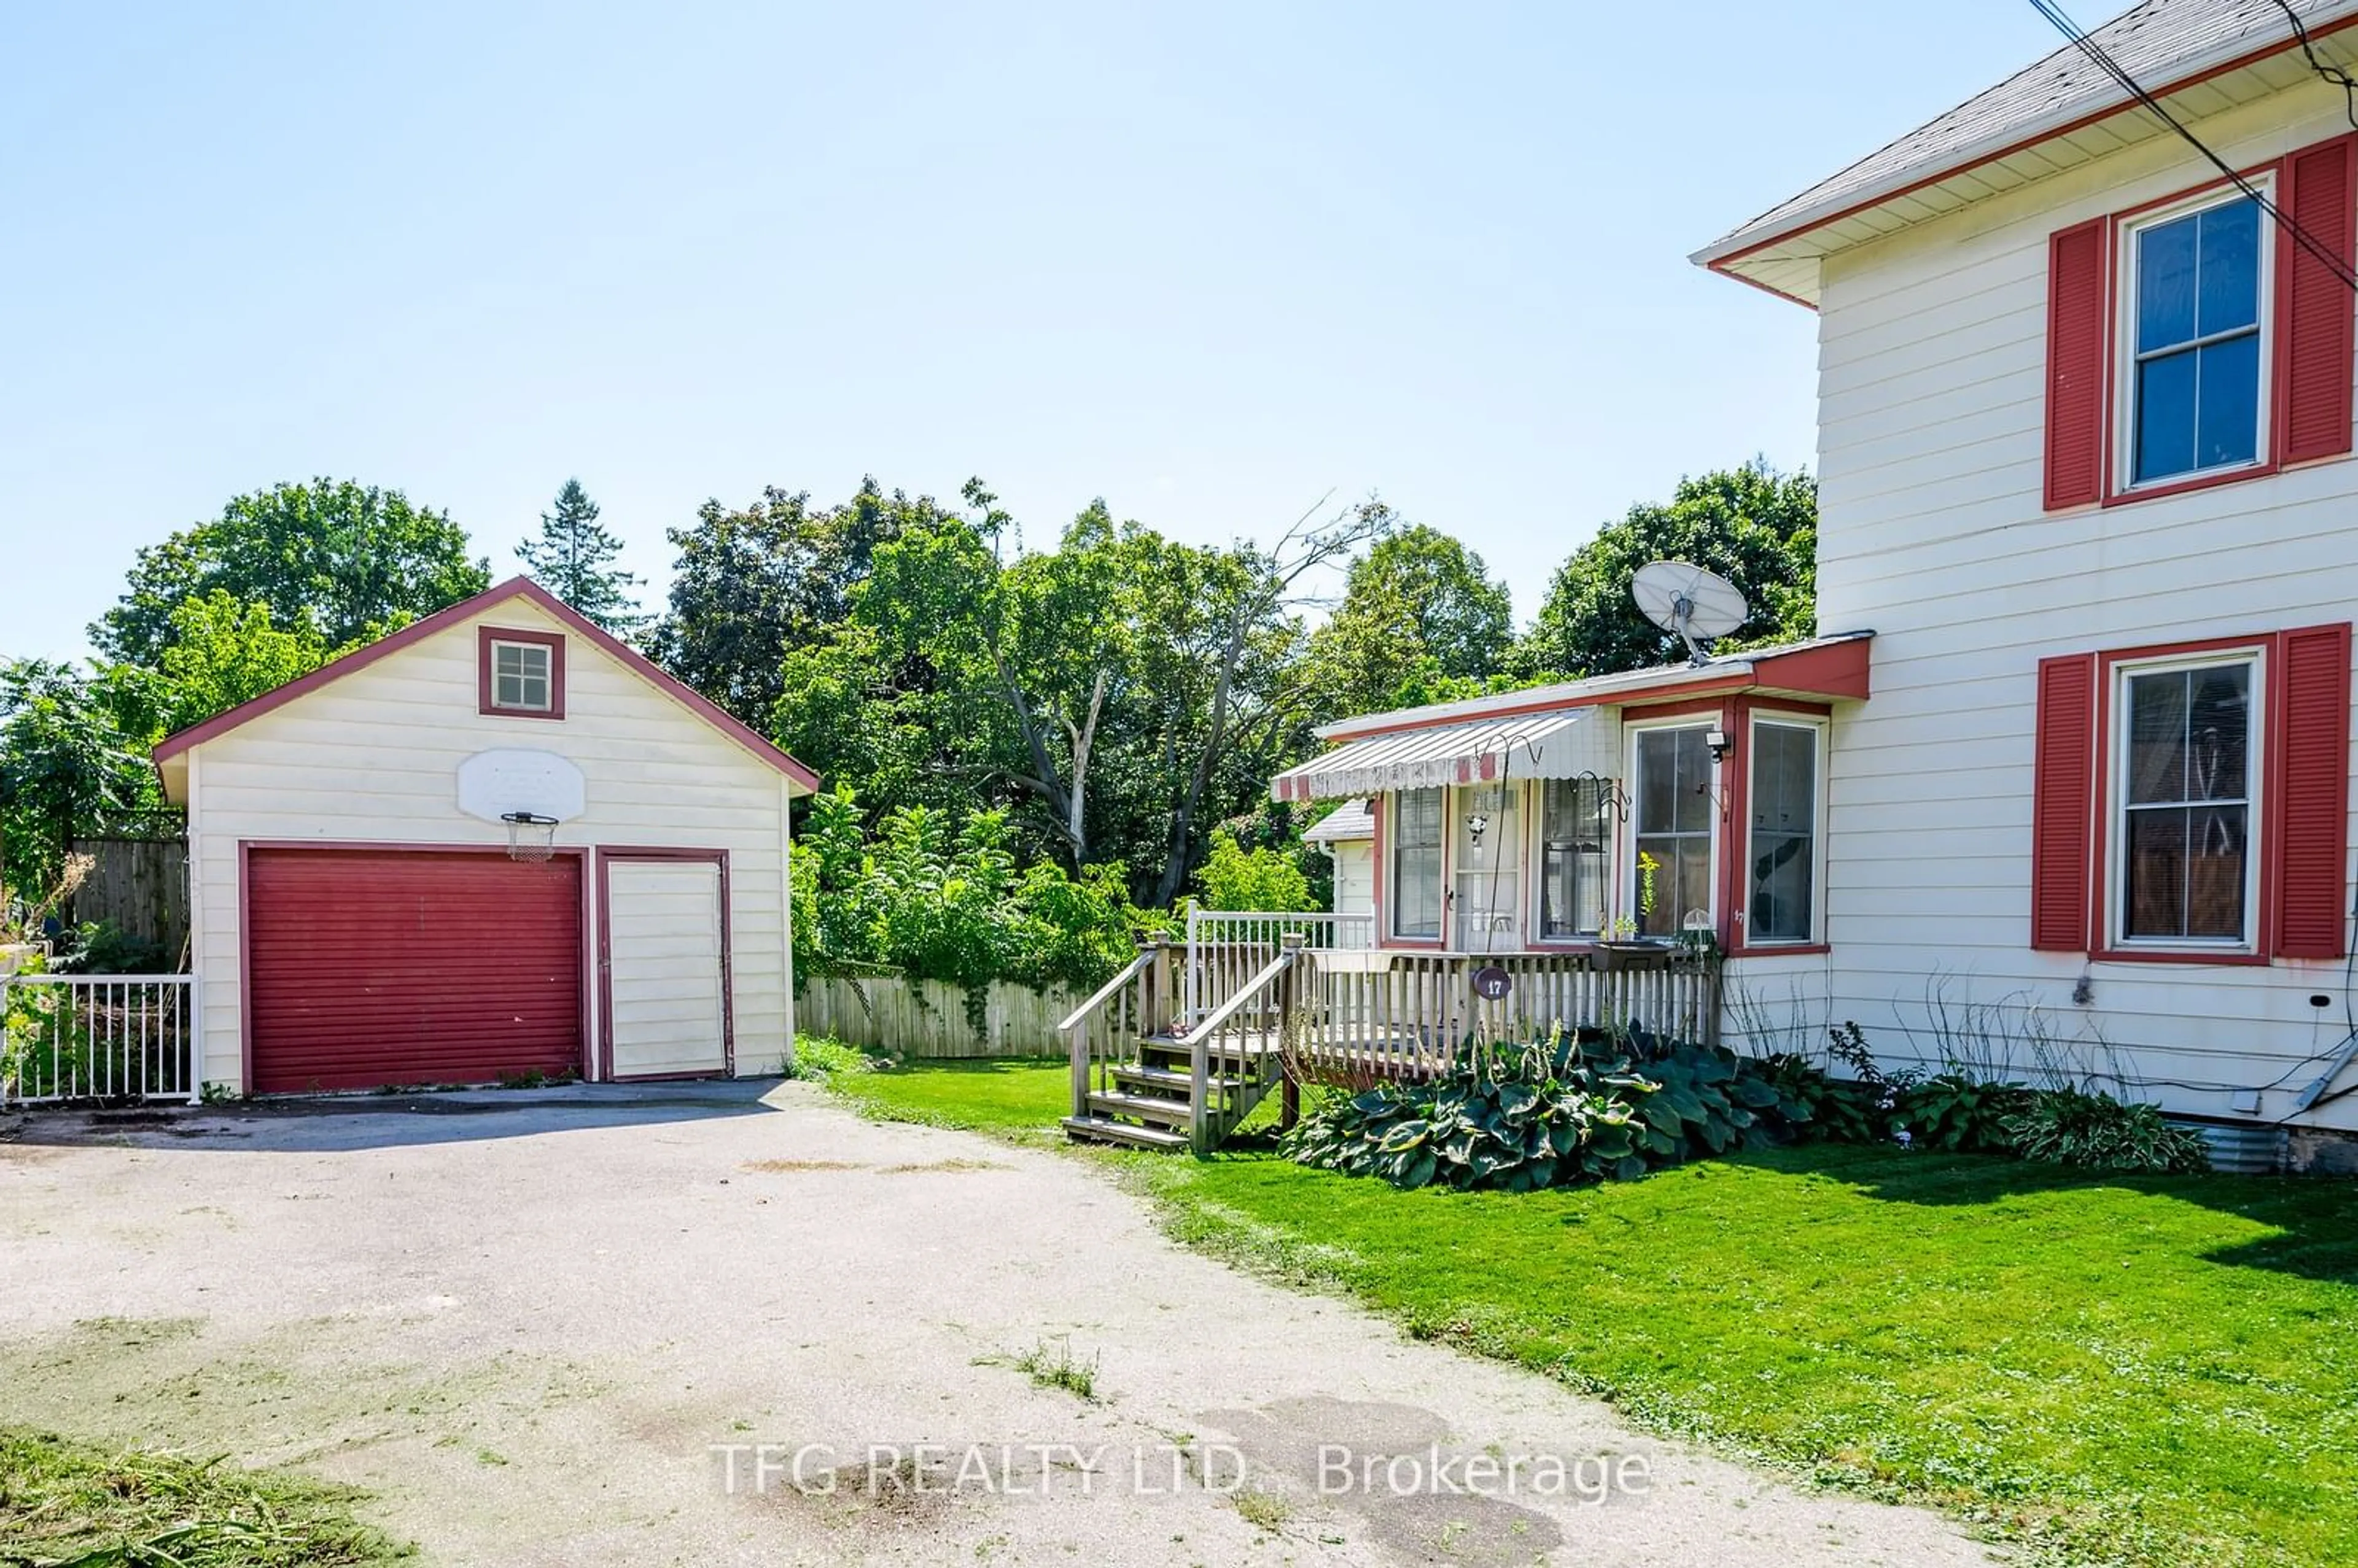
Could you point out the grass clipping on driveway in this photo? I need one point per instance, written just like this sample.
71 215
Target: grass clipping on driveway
2141 1369
68 1504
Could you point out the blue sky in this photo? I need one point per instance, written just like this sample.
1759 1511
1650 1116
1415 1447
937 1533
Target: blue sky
1208 261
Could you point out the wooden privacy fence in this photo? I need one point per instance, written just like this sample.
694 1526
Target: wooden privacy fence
928 1018
141 884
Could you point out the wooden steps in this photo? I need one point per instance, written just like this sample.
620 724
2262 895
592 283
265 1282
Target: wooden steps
1134 1072
1105 1130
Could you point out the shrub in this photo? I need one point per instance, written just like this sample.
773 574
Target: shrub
819 1056
2072 1126
1578 1108
1257 879
102 947
1958 1113
940 900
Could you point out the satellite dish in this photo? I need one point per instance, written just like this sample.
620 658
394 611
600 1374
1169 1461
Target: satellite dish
1685 599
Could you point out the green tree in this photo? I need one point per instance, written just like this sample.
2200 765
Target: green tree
73 753
356 560
571 559
1419 610
753 585
1117 693
223 653
1751 525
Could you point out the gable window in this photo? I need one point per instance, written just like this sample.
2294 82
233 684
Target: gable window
1412 883
521 674
1785 796
1674 813
2186 795
1574 840
2196 369
520 677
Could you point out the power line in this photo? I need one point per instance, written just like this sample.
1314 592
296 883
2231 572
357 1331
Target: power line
2332 74
2105 62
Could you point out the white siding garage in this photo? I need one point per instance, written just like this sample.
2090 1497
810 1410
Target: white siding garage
357 918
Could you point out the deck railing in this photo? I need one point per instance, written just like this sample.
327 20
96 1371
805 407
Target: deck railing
1365 1013
1227 947
98 1037
1367 1017
1103 1033
1236 1051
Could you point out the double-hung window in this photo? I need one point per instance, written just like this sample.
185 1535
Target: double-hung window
2193 309
1414 877
2186 795
2191 803
1575 838
1783 789
2196 340
1674 816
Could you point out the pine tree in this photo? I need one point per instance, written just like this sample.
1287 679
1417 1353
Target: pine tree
571 558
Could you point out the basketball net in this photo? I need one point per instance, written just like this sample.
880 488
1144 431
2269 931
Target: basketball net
531 839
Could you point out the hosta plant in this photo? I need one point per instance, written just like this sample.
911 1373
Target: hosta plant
2068 1127
1577 1108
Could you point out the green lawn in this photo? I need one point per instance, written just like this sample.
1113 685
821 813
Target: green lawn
2149 1371
86 1506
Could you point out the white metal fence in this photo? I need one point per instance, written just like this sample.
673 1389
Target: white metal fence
1227 947
98 1037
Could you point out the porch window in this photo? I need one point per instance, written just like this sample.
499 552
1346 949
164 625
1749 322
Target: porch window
1573 838
1413 884
1674 814
1781 903
2186 800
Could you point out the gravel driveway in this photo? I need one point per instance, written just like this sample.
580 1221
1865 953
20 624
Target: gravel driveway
656 1326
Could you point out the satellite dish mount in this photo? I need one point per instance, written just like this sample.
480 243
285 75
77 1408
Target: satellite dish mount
1683 598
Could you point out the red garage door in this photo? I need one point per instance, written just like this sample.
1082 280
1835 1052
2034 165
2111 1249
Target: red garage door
410 967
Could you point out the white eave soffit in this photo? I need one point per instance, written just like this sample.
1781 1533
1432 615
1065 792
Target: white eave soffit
1783 253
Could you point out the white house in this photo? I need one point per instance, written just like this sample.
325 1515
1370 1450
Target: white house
367 912
2085 430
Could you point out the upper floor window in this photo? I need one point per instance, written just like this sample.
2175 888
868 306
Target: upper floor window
2197 359
521 674
2195 341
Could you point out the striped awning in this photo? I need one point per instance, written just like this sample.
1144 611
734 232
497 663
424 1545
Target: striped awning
1527 746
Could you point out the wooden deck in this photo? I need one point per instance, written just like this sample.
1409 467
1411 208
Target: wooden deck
1145 1063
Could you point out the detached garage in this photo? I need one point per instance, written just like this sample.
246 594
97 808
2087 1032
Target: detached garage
497 845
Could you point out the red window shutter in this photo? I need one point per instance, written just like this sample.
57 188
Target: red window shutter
2062 805
2314 326
2312 725
2075 365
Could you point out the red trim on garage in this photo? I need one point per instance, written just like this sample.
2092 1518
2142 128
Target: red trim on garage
606 857
442 620
485 690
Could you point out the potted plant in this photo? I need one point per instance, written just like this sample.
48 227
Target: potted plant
1619 946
